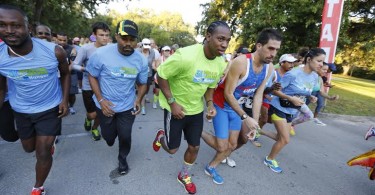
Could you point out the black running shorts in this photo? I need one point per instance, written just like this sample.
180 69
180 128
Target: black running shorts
191 125
44 123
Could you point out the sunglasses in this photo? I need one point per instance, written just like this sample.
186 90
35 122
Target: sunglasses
146 44
45 33
167 50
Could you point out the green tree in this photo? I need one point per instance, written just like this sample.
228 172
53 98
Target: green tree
300 24
165 28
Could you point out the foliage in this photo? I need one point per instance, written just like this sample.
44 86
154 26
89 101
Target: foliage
70 16
74 17
300 24
165 28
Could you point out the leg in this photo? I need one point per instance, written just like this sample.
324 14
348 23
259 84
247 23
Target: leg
282 128
43 158
72 99
124 124
108 127
209 139
7 128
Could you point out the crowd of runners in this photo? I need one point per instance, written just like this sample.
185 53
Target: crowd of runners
40 75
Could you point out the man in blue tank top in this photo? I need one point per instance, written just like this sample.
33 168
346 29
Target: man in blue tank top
114 70
37 96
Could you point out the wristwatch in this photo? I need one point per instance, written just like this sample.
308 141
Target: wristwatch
244 116
171 100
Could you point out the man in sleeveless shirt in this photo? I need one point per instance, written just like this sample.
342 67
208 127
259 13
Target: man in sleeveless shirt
37 96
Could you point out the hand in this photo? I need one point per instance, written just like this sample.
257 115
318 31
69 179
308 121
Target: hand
63 109
177 111
211 112
276 86
107 108
136 108
251 124
335 97
296 101
313 99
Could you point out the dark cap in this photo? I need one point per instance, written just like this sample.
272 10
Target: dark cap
127 27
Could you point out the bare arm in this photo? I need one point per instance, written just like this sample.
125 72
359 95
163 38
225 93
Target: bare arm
104 104
258 98
176 109
208 96
324 94
142 89
64 79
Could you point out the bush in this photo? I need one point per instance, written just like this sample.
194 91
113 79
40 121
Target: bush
363 73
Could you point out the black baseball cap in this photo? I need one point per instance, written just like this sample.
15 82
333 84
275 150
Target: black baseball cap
127 27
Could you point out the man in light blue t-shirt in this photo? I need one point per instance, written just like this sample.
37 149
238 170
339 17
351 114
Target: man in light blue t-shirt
36 94
114 71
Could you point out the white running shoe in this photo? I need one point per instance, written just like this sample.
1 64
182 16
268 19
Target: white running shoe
154 106
319 122
230 162
72 111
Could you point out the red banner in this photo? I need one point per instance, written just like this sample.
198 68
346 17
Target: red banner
331 20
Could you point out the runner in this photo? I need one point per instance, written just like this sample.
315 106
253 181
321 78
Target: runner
71 52
101 32
113 73
43 32
296 86
188 75
165 53
38 98
244 84
150 55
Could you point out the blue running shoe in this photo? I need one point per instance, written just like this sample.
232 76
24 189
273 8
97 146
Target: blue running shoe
216 178
272 164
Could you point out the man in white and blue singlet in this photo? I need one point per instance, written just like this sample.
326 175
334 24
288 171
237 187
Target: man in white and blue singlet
242 89
114 71
37 96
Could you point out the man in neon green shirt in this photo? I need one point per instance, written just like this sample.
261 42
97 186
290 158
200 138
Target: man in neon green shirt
185 78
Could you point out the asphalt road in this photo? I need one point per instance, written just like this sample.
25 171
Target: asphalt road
314 162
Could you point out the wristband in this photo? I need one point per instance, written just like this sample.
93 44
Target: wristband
208 101
101 100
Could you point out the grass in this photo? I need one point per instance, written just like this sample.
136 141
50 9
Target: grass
357 96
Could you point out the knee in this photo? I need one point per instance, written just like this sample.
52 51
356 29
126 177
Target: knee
222 147
29 149
284 140
232 146
173 151
91 115
193 149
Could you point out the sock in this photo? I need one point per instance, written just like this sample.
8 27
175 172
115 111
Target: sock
156 98
40 188
186 168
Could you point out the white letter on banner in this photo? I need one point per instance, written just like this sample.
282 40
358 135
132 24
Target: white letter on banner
331 4
328 52
327 33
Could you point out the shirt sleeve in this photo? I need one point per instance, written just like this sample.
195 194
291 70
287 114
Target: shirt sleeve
94 66
286 80
171 67
81 56
143 74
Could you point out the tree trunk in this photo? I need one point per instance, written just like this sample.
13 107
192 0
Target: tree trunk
351 70
38 11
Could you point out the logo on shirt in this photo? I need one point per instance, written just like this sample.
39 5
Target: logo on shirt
206 77
126 72
28 74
